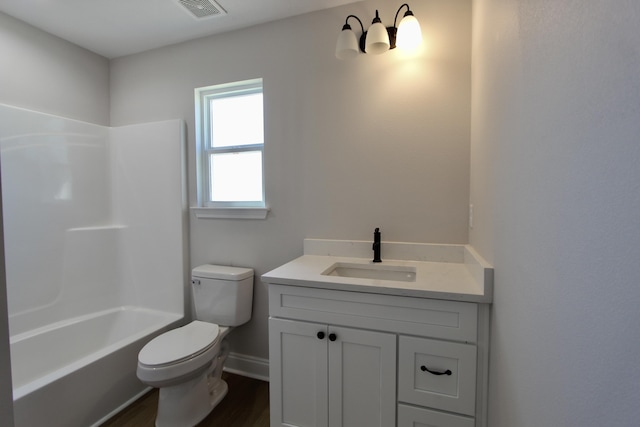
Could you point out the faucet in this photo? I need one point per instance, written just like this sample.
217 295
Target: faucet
376 245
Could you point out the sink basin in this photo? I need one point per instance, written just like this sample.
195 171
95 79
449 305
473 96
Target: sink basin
398 273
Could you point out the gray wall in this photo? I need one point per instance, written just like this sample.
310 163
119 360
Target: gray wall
381 141
556 186
47 74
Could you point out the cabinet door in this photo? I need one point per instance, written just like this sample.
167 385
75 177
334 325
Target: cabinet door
298 373
362 378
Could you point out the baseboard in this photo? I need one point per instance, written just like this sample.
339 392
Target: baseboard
248 366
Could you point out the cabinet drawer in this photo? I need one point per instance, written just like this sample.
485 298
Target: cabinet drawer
451 320
453 390
408 416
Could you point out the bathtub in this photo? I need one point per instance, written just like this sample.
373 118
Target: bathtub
81 371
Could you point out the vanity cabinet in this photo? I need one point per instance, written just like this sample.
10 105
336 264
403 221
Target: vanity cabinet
350 359
326 375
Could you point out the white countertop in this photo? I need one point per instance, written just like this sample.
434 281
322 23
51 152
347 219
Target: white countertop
459 274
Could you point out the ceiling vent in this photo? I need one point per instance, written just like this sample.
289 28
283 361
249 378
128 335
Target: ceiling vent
203 8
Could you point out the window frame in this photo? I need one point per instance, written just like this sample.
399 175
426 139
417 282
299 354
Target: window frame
204 149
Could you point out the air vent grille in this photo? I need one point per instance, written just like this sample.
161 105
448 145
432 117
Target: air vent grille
203 8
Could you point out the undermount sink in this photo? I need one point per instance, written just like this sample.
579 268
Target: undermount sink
398 273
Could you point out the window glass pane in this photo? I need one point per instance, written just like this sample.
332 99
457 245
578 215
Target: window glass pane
236 177
236 120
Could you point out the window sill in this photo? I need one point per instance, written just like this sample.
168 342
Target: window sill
230 213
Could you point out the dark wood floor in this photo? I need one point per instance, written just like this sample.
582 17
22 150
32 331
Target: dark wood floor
246 405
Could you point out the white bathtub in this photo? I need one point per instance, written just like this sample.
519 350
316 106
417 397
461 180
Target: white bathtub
81 371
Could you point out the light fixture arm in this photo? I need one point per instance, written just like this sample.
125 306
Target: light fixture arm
407 13
348 27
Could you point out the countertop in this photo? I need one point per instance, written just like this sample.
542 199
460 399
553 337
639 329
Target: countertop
449 272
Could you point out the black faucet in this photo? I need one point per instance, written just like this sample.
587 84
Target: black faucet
376 245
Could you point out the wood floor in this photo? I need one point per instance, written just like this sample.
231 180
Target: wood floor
246 405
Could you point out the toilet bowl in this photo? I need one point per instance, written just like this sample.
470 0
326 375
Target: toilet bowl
186 363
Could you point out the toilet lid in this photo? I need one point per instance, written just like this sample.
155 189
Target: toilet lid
179 343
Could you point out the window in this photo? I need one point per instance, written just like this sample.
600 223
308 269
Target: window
230 142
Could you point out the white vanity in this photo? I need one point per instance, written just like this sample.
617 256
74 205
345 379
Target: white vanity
399 343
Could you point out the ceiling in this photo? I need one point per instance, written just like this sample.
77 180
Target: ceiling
113 28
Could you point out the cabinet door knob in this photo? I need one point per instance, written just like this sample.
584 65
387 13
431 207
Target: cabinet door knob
332 337
425 369
320 335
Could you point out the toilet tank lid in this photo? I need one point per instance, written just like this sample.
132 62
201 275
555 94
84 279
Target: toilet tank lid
223 272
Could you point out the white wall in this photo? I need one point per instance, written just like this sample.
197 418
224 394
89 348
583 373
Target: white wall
382 141
555 180
6 393
44 73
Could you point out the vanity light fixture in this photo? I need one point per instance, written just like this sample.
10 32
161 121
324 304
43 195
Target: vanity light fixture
379 39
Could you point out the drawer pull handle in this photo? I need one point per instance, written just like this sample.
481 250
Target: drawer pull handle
425 369
320 335
332 337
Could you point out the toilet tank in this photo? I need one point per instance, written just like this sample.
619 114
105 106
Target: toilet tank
222 295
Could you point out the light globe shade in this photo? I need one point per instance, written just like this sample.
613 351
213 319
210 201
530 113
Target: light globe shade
409 35
377 39
347 46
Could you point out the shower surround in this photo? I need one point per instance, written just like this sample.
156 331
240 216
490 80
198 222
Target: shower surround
96 258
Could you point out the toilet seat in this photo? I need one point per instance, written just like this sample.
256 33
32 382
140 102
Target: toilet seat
180 344
180 354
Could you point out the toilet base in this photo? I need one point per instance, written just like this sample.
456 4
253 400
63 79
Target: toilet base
189 403
220 389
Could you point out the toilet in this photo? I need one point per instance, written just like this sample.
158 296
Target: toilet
186 363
